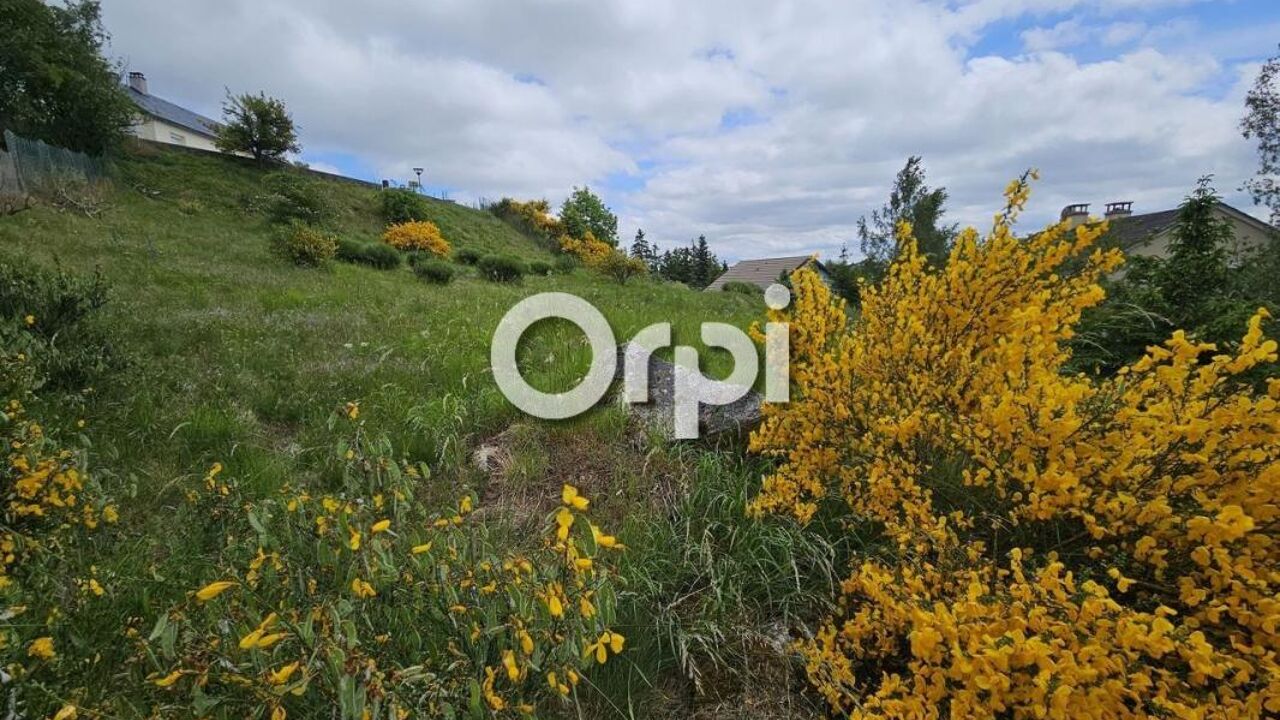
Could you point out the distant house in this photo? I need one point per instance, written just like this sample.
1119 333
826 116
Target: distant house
161 121
1149 234
764 272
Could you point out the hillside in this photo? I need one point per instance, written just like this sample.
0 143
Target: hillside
233 356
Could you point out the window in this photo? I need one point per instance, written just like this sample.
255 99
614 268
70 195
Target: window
177 138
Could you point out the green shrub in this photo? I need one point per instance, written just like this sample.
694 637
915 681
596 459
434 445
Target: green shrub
620 267
46 316
290 196
434 271
306 245
540 267
467 256
501 268
376 255
402 206
566 264
745 288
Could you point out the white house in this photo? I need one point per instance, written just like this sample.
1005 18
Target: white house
162 121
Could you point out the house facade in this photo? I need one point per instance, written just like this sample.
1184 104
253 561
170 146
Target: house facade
162 121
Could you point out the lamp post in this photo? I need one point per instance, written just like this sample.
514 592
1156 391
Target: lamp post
418 171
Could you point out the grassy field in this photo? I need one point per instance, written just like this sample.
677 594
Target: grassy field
235 356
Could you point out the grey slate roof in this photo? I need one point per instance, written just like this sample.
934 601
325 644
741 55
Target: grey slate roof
167 111
1127 232
1132 230
762 273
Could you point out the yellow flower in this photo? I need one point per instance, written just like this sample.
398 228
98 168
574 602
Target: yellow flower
604 541
569 495
168 680
96 588
31 320
353 410
214 589
281 676
608 641
68 712
509 662
380 526
564 521
354 541
362 589
267 641
42 649
278 713
110 514
420 549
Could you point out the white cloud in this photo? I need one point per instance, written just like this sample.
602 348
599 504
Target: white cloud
531 98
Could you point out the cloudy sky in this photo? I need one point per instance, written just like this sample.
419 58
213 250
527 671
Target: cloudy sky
768 126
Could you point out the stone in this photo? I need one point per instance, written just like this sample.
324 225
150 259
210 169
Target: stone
740 416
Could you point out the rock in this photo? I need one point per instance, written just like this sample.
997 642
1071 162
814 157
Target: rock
739 416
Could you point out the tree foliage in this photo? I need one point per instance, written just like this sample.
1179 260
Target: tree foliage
1193 288
910 200
258 125
583 211
643 251
1262 122
696 266
55 84
1046 543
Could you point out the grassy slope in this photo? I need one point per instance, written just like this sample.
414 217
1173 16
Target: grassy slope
240 357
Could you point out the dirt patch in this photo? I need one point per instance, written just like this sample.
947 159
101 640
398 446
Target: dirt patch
527 465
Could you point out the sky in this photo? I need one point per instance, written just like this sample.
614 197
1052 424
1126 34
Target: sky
767 126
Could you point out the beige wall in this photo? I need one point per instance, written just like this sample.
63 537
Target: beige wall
150 128
1249 239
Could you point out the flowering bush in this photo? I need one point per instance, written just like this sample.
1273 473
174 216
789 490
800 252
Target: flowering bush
362 604
1051 545
531 217
416 235
588 249
306 245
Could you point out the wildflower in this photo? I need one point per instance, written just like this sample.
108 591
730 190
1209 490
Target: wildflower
354 541
168 680
96 588
278 713
569 495
380 526
352 410
214 589
362 589
608 641
564 521
493 699
555 684
604 541
282 675
526 642
30 320
42 649
110 514
464 505
509 662
420 549
68 712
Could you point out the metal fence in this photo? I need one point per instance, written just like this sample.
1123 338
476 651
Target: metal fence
30 163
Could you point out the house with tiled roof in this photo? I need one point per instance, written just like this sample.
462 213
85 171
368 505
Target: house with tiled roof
162 121
1149 234
764 272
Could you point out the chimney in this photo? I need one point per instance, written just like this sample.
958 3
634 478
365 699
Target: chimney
1117 210
1076 215
138 82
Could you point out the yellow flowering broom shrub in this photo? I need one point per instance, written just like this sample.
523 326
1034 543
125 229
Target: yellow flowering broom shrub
588 249
358 604
50 504
1050 545
417 235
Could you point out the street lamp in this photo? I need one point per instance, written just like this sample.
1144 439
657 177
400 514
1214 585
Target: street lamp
418 171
